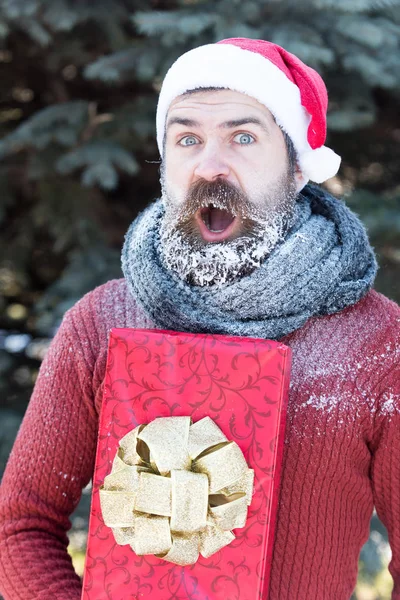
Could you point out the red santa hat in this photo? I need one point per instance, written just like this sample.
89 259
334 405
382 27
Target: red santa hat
294 93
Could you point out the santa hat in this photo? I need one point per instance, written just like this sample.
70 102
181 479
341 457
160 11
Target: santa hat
294 93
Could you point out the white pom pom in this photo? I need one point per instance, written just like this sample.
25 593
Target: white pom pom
319 164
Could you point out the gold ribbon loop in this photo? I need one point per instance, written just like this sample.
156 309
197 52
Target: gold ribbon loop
117 508
129 448
231 514
204 435
176 490
167 439
184 550
124 535
125 479
223 465
213 539
152 535
245 483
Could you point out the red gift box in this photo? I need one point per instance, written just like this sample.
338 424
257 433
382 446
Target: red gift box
240 383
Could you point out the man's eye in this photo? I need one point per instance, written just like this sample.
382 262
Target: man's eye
244 139
188 140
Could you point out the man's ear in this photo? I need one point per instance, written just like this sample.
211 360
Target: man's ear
300 179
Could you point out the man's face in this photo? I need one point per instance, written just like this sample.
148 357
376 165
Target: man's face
227 186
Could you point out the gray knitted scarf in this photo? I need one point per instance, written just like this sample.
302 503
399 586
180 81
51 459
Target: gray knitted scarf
324 264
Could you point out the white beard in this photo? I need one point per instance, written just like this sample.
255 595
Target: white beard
200 263
218 263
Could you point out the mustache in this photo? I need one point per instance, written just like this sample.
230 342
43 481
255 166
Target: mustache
221 194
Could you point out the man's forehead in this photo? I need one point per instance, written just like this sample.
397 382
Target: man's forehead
216 100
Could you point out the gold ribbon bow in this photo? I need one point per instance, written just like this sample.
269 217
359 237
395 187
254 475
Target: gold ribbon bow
176 489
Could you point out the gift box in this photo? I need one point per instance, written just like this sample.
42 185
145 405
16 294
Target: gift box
186 479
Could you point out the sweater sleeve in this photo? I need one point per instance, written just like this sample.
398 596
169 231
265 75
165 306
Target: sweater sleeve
385 469
51 461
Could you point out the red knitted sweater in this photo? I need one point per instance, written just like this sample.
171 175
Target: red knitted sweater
341 452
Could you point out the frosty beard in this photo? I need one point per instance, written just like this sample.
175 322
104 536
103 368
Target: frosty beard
261 226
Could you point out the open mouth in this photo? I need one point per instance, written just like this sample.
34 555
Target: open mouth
216 224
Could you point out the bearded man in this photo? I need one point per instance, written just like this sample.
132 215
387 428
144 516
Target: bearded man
238 244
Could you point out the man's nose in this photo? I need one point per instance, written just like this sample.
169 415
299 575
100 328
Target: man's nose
211 163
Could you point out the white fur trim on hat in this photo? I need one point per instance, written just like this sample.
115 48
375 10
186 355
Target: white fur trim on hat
231 67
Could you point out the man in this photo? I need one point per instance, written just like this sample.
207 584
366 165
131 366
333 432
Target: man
238 244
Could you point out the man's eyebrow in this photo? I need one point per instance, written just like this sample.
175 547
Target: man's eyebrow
244 121
181 121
